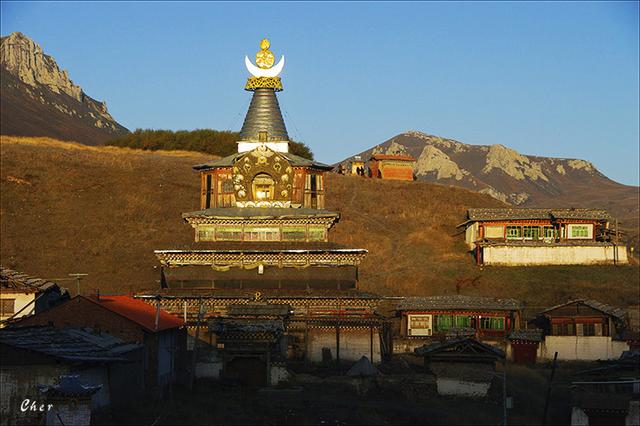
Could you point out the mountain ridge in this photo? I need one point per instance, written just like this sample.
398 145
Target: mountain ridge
515 178
39 99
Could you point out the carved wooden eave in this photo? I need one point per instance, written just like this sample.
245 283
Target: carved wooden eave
196 221
249 259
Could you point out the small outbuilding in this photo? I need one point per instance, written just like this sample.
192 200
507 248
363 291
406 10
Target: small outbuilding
582 329
463 367
22 295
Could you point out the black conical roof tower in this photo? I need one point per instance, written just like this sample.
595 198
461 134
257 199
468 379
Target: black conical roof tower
264 116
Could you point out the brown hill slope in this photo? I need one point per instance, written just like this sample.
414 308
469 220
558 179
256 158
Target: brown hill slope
39 99
518 179
103 210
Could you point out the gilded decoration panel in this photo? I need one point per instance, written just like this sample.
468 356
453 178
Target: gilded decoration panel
262 178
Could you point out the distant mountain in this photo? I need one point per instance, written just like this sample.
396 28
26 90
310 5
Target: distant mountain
39 99
515 178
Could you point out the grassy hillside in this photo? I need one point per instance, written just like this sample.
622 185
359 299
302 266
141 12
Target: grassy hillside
103 210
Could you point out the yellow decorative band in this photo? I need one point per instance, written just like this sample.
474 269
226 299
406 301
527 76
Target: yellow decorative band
254 83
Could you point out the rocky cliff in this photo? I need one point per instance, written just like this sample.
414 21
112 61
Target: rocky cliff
39 99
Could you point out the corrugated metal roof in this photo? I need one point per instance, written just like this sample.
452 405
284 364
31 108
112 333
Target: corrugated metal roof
13 280
264 116
604 308
138 311
71 344
458 302
540 213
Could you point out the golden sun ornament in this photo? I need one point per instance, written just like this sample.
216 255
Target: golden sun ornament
265 58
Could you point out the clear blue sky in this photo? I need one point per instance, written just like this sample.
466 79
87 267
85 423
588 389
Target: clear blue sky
550 79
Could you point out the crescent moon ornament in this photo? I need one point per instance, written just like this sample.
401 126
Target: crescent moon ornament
264 72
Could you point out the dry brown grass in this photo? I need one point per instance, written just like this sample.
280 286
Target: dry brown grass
67 207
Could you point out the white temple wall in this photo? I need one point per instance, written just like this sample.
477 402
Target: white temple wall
553 255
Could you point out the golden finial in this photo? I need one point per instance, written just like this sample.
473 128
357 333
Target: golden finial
265 58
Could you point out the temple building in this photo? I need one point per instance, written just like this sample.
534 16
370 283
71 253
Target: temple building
515 236
391 167
262 237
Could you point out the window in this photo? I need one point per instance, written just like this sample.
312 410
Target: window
263 187
207 203
531 232
419 325
206 234
294 233
262 234
7 306
444 322
579 231
563 329
548 232
494 232
463 321
588 329
228 234
317 233
514 232
492 323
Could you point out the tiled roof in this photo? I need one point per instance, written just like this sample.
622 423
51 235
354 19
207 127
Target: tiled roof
267 246
295 160
517 213
69 386
261 213
607 309
138 311
71 344
534 335
542 243
392 157
267 294
13 280
459 346
457 302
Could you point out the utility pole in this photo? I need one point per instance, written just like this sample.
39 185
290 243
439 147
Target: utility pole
546 402
78 278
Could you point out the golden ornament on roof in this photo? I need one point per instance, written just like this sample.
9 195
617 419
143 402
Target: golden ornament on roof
265 58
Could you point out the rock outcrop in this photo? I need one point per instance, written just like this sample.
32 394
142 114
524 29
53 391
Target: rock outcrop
512 177
39 99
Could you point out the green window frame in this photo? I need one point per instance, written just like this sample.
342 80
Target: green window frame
206 234
514 232
317 233
548 232
227 233
444 322
463 321
579 231
261 234
294 233
531 232
492 323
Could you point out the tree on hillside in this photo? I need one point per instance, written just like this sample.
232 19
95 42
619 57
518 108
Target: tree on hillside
216 142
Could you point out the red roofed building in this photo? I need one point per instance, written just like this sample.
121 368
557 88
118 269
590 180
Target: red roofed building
395 167
131 320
